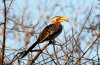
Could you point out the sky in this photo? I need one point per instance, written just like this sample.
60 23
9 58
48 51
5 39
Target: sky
32 10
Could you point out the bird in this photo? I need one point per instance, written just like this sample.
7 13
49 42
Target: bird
50 32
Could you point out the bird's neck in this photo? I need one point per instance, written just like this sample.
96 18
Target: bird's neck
56 23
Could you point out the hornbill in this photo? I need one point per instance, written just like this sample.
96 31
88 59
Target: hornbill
50 32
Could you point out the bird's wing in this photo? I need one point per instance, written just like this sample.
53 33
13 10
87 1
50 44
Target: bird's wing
48 32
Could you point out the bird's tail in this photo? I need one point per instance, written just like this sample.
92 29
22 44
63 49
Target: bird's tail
26 52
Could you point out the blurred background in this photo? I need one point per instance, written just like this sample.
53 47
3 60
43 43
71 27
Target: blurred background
78 43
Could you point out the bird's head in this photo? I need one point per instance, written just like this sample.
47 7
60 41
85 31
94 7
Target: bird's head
59 19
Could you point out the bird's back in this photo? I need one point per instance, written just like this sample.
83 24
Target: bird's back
50 32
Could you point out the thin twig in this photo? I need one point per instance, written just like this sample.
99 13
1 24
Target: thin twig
56 54
86 50
39 52
82 30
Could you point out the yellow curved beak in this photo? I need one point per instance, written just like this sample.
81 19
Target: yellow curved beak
63 19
